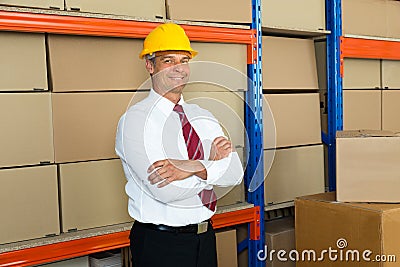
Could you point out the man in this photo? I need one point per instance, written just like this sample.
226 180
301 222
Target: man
173 153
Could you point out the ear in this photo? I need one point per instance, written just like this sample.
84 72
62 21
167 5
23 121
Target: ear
149 66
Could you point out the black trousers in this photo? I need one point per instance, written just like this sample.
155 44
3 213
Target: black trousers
154 248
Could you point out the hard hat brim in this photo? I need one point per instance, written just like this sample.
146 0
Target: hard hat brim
192 52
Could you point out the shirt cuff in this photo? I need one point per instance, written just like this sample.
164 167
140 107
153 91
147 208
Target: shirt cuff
224 172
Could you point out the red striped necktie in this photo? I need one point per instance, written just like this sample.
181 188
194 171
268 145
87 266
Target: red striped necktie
195 152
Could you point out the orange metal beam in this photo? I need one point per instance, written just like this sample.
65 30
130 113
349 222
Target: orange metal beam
86 246
64 250
252 50
366 48
30 22
251 216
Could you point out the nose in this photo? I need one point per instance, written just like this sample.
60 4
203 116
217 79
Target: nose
178 67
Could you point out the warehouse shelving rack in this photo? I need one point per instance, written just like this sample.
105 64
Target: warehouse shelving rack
62 24
338 48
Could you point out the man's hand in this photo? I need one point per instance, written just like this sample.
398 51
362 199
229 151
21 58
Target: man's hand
169 170
220 148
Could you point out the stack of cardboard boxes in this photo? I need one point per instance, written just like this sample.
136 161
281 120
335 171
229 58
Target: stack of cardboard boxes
151 9
194 11
293 158
66 138
72 128
27 140
357 225
90 91
370 95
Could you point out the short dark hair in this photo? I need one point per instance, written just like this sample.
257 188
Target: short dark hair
151 58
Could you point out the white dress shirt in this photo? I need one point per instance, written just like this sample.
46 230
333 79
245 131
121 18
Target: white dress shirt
149 131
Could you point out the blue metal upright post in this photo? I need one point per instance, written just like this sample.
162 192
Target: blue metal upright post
254 174
335 96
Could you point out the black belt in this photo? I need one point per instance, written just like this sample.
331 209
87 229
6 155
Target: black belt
191 228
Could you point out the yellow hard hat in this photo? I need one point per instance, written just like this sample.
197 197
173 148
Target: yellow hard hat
167 37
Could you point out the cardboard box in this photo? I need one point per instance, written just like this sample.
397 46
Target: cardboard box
26 129
221 11
221 53
390 110
346 230
294 117
279 236
227 108
361 73
364 17
288 63
215 69
23 57
28 203
285 14
367 166
85 123
226 248
93 194
52 4
294 172
150 9
75 262
390 73
393 18
89 63
362 109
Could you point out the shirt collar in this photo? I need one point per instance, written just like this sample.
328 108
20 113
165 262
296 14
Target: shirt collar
163 104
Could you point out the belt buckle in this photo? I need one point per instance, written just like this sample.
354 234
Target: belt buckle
202 227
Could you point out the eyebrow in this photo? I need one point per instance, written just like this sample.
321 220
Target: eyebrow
165 57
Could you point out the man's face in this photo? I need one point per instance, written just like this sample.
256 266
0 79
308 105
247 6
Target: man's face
170 72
